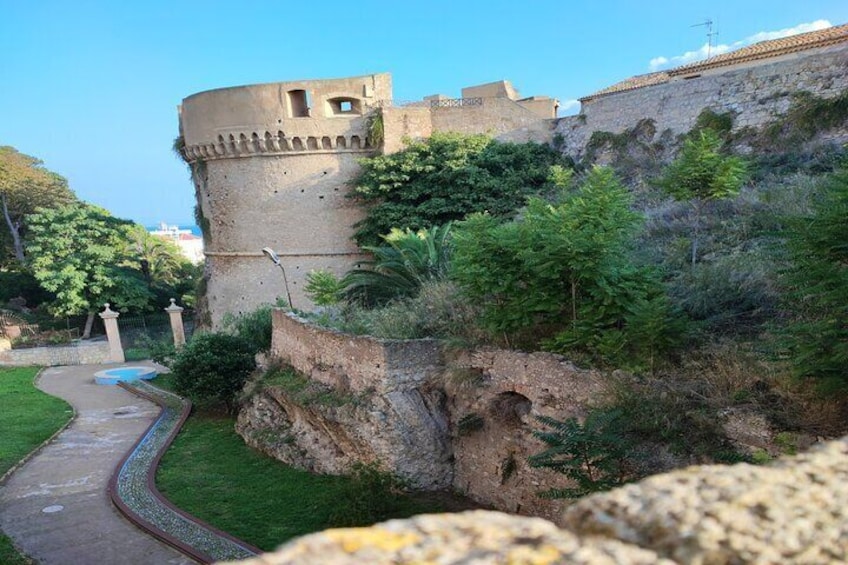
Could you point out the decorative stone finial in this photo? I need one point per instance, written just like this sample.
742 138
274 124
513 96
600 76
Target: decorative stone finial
108 313
173 307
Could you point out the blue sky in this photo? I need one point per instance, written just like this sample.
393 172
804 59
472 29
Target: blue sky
91 88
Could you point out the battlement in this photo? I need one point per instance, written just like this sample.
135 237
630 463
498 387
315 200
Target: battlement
282 117
257 143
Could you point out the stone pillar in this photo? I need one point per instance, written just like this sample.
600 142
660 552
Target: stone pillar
110 320
176 314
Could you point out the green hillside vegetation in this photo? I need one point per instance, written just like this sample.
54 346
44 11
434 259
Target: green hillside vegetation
717 281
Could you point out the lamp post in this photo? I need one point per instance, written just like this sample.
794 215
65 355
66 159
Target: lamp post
273 257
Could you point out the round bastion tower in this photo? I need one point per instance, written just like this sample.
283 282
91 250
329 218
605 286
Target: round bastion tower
271 165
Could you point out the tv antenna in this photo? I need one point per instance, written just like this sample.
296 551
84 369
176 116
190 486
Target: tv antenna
708 23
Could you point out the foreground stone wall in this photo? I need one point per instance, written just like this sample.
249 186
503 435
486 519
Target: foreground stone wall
756 93
83 353
794 511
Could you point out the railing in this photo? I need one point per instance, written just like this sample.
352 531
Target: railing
440 103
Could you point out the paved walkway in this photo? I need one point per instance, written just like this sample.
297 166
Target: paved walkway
56 507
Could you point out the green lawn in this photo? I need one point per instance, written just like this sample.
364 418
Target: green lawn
27 418
211 473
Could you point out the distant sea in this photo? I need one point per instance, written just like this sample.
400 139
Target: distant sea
194 229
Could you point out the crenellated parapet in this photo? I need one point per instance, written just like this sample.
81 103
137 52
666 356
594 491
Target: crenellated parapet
258 143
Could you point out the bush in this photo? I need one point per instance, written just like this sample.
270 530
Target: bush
371 496
213 368
253 327
446 177
818 286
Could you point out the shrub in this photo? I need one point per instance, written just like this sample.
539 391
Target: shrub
400 266
212 368
324 288
253 327
561 271
446 177
592 454
371 496
818 286
701 173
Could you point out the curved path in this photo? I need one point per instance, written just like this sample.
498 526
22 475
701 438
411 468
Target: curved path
133 488
56 507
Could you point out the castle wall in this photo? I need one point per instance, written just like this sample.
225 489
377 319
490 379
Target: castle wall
756 92
502 118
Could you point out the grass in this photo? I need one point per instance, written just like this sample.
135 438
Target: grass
28 418
211 473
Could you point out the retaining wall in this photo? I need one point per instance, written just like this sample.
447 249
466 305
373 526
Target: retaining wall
83 353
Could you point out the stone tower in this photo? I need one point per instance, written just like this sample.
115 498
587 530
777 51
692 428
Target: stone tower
270 164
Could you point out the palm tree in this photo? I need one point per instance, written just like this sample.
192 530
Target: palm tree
400 266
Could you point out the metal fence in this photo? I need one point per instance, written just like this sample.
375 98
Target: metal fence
139 332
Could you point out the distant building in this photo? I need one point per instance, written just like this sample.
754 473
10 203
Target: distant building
190 245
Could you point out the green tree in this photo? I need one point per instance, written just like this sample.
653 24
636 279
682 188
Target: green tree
562 269
702 173
446 177
25 185
79 252
168 273
818 285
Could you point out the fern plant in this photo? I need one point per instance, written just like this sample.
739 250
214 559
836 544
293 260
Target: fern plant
592 454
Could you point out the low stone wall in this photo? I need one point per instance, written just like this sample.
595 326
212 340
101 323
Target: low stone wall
80 353
354 363
466 421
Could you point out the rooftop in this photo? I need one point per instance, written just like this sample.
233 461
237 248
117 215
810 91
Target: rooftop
761 50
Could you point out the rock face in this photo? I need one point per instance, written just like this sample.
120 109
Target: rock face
795 511
403 431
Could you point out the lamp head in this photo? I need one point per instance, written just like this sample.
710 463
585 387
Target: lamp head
271 255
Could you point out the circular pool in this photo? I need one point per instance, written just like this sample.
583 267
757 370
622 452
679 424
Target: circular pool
120 374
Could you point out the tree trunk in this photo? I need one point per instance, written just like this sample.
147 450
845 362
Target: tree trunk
14 229
89 321
697 231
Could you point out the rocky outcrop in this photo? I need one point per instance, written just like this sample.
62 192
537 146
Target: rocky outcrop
795 511
403 431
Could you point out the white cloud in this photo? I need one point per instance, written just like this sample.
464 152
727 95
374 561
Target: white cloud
705 50
566 106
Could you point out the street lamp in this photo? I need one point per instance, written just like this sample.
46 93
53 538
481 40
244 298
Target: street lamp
273 257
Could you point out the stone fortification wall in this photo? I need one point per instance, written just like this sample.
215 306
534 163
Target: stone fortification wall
465 422
502 118
755 92
503 391
89 353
